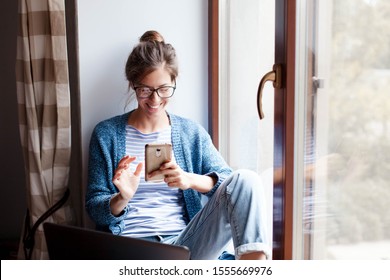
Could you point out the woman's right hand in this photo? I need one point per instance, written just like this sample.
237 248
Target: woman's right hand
126 181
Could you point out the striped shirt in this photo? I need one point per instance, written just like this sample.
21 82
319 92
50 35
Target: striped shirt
155 209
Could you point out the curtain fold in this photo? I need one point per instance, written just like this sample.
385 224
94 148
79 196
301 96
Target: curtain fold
44 113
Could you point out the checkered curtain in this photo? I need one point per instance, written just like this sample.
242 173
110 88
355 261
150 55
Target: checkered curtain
44 117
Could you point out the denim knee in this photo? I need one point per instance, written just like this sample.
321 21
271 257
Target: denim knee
249 217
246 180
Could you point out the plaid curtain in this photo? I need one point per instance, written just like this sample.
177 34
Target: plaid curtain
44 118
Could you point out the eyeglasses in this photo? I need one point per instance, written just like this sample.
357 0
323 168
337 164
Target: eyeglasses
162 92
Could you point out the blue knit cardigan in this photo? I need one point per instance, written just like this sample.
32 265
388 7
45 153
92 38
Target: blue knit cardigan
193 149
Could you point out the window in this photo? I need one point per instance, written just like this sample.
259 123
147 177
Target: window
342 125
343 158
246 53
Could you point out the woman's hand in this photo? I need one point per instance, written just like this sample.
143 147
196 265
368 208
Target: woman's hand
127 183
174 176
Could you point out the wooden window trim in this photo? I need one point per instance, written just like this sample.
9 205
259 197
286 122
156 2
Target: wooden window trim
213 66
285 29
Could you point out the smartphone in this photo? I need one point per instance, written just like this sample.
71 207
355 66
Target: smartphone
155 155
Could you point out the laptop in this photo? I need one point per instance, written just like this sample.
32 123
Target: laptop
66 242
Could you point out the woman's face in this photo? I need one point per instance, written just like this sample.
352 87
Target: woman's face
154 105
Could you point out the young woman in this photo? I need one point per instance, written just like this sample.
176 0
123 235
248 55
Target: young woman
171 211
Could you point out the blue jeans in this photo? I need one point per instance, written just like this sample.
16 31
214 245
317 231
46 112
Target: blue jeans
235 211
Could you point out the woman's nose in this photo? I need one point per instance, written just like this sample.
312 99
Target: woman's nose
154 95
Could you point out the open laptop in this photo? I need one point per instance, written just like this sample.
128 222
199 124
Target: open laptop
66 242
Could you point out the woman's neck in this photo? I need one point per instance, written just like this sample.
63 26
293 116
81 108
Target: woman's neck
147 124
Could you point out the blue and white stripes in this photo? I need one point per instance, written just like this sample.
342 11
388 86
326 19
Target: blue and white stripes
155 209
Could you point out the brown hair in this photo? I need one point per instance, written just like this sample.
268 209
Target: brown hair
151 35
148 55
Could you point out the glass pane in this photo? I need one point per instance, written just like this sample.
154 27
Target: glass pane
344 182
246 54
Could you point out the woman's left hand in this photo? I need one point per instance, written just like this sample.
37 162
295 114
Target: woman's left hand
174 176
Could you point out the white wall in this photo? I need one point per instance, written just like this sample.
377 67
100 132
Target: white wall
108 30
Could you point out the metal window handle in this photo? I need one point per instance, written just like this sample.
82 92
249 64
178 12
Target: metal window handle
318 83
276 77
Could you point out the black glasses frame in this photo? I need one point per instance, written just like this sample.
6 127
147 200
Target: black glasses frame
155 90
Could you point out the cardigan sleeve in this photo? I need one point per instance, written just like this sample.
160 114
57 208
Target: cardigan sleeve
213 163
199 155
100 189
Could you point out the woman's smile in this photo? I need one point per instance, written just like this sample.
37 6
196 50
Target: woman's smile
153 107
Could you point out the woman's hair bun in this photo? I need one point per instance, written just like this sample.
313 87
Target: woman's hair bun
150 36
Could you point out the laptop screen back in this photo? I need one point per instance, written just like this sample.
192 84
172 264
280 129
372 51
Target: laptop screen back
75 243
